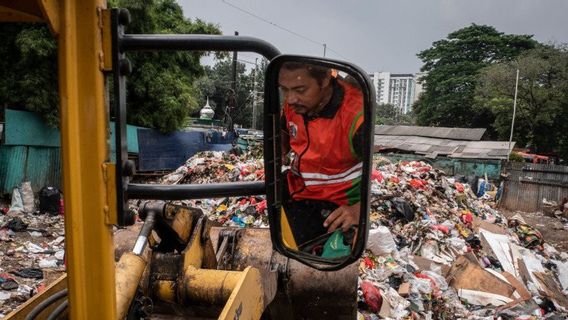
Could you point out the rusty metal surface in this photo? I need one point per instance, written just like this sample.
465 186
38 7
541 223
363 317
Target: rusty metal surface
209 259
254 248
293 290
129 272
313 294
528 184
208 286
181 219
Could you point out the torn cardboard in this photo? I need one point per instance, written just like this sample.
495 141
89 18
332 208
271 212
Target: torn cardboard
424 264
477 285
479 224
551 290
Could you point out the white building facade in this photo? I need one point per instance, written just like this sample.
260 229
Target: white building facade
400 90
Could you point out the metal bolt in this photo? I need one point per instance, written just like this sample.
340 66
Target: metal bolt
123 17
125 67
129 217
129 168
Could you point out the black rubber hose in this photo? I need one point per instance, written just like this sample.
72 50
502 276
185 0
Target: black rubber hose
46 303
59 310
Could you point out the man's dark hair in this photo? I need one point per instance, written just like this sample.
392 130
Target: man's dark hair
317 72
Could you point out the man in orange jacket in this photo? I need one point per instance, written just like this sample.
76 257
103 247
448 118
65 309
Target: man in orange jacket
321 130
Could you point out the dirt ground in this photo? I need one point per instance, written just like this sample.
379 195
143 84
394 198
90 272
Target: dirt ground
553 229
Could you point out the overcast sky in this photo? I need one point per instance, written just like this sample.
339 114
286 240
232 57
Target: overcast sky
377 35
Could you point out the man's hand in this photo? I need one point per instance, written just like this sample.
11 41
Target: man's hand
343 217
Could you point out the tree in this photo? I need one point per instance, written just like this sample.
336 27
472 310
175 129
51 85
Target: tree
451 66
216 85
160 93
542 101
29 70
388 114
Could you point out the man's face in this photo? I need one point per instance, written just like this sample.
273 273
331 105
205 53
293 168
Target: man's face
302 92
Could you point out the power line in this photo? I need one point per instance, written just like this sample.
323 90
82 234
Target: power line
282 28
246 61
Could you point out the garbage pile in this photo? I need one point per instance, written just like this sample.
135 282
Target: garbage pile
31 245
219 167
437 248
438 251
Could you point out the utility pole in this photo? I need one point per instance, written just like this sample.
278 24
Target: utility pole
232 96
234 82
254 93
324 48
514 113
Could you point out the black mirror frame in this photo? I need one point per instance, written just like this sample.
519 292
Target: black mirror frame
273 161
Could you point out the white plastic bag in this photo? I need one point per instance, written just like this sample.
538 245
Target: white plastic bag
381 242
17 205
28 197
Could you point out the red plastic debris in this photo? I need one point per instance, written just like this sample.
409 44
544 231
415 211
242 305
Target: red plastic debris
61 207
425 169
377 176
261 206
372 296
370 264
417 183
467 217
442 228
459 187
435 289
259 173
394 180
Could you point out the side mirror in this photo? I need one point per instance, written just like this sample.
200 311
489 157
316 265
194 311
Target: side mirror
318 122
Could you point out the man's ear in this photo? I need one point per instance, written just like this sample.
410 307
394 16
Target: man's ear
326 81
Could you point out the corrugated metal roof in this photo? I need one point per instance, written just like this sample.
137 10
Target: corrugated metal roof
433 147
474 134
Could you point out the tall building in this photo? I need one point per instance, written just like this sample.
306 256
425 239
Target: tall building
400 90
418 87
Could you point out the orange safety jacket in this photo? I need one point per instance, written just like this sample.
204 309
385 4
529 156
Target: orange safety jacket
327 164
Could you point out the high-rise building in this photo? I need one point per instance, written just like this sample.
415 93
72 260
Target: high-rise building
400 90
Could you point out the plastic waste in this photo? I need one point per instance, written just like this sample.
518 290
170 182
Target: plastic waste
372 296
9 284
29 273
381 241
17 204
49 200
334 247
28 197
403 209
46 263
16 225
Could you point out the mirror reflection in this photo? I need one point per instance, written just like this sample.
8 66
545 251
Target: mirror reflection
322 141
